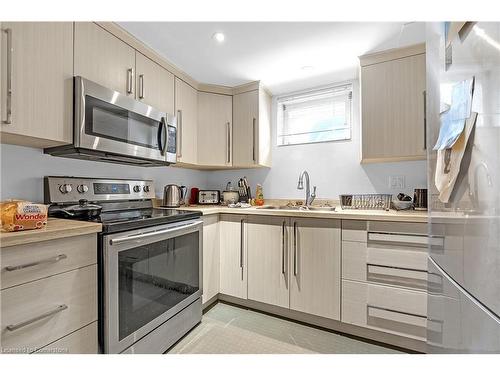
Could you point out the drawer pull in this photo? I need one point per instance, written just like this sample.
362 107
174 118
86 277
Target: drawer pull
408 277
398 316
13 327
55 259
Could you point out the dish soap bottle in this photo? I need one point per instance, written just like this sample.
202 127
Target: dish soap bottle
259 196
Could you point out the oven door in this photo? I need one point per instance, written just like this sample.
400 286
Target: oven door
149 276
110 122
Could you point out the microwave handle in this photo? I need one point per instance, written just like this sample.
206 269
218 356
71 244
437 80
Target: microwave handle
162 135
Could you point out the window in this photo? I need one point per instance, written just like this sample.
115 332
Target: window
320 115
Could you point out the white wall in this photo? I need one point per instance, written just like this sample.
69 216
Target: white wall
22 171
333 167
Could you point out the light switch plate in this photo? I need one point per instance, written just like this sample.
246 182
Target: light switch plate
397 182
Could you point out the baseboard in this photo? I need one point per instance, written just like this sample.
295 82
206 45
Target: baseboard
401 343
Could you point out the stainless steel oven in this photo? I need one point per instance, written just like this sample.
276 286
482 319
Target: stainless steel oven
109 126
150 276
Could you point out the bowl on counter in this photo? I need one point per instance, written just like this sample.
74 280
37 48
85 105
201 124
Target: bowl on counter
402 205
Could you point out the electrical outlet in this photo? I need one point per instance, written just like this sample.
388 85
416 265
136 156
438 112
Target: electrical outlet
397 182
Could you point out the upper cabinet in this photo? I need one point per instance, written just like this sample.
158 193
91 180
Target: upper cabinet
186 109
215 129
103 58
155 85
252 129
392 105
36 83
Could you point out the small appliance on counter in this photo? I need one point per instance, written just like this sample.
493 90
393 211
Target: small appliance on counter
230 196
174 195
420 200
208 197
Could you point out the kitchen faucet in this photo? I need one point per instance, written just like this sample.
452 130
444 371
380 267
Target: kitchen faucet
309 197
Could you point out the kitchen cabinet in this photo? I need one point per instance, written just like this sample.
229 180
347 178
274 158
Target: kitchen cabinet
49 294
233 255
268 259
186 109
252 129
392 105
211 257
103 58
36 83
155 84
215 123
315 266
384 276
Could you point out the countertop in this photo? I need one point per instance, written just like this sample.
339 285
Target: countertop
379 215
56 228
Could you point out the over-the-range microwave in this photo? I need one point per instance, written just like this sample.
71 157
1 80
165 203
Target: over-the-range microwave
109 126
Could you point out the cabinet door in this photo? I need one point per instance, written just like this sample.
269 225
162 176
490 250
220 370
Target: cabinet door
211 258
215 118
233 255
186 108
103 58
245 129
39 69
392 102
315 252
155 85
268 271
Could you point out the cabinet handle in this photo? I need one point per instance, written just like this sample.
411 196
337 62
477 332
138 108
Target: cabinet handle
141 86
130 80
228 130
295 261
409 318
55 259
179 133
283 245
425 119
8 91
253 140
242 223
13 327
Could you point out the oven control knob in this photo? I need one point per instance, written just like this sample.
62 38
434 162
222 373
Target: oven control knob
137 188
146 188
65 188
82 189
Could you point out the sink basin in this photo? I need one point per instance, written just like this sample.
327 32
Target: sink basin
298 208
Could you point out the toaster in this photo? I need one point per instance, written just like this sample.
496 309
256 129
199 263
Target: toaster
208 197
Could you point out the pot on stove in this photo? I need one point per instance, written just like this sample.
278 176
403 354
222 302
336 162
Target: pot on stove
82 210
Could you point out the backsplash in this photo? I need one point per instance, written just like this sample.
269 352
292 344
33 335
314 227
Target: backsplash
23 169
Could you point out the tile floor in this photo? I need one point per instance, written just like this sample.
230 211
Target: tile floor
227 329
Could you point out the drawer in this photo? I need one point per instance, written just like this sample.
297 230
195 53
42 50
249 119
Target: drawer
83 341
25 263
404 266
40 312
359 231
389 309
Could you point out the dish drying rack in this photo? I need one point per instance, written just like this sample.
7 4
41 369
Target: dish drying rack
365 201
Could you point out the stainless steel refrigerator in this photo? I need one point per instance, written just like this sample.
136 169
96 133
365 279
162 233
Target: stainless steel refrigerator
464 268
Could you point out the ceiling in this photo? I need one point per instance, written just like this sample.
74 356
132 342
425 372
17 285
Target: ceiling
272 52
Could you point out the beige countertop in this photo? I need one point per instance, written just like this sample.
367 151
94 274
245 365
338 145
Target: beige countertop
56 228
391 215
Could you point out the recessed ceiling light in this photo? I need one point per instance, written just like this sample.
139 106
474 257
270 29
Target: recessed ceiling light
218 37
307 67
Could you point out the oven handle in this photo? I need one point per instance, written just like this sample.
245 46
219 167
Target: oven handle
115 241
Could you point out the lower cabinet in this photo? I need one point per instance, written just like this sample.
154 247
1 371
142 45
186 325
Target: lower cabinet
315 266
268 259
295 263
211 257
233 255
83 341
